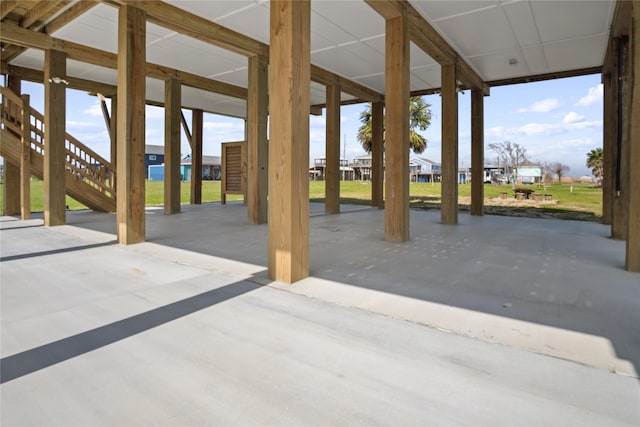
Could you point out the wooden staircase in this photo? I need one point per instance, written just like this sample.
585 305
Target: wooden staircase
89 178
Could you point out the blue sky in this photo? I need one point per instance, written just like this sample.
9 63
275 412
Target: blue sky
556 120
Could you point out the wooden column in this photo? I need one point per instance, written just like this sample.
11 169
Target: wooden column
608 144
25 159
55 65
172 120
11 187
257 147
397 129
477 152
131 124
113 132
449 212
620 210
633 229
197 117
289 86
332 175
377 154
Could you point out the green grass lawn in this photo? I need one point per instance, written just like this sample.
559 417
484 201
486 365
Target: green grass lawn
584 202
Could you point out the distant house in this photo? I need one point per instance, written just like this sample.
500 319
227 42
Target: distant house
153 155
318 170
211 169
362 167
493 174
424 170
528 173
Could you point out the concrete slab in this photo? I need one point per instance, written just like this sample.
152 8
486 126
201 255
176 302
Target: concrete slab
183 330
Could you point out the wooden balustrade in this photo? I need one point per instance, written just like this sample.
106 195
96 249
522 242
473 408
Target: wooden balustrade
82 162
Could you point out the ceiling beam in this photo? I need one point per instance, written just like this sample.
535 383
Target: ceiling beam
183 22
327 78
14 34
433 44
63 19
6 6
40 10
388 9
37 76
546 76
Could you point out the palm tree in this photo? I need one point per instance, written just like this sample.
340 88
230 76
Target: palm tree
419 117
595 161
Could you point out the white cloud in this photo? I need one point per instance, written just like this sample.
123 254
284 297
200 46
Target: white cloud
595 94
572 118
95 110
543 106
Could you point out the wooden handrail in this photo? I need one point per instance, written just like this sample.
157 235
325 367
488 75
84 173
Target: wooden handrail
81 161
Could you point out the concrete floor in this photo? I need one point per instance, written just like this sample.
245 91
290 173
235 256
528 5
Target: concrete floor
453 327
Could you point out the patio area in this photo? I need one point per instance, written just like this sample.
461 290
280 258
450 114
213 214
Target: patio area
187 329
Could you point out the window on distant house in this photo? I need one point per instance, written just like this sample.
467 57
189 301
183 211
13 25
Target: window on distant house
152 156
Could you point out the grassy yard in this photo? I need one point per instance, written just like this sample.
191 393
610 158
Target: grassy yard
580 201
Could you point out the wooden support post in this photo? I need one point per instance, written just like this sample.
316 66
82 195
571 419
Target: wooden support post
257 148
396 224
197 117
172 114
25 159
620 218
332 174
377 154
449 210
113 132
608 144
477 152
54 136
131 124
11 187
633 229
289 86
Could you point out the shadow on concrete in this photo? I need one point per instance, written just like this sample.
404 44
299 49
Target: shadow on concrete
55 251
563 274
29 361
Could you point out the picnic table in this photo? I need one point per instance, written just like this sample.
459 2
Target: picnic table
522 193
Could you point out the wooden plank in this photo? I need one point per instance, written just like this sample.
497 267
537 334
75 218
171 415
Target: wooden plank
545 76
388 8
397 129
477 152
113 136
233 169
183 22
332 173
38 11
377 154
11 187
14 34
131 125
327 78
449 209
54 135
91 86
257 148
433 44
6 6
25 159
633 232
172 113
197 122
69 15
608 145
621 184
289 93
